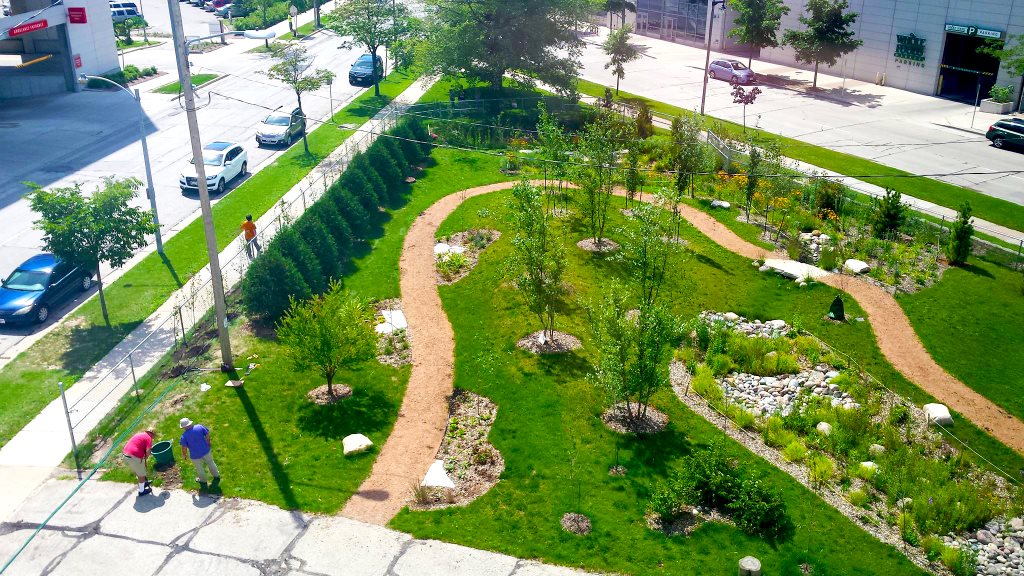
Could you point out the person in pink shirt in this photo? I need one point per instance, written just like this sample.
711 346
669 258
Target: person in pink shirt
136 453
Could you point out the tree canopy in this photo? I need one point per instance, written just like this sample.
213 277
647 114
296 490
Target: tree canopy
757 23
483 40
620 52
827 36
1011 57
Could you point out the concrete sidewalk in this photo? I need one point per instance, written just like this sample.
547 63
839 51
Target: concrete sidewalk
107 529
35 452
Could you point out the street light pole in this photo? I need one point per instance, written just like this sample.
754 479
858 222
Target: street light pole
707 54
150 191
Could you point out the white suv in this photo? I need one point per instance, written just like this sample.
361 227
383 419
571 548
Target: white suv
223 162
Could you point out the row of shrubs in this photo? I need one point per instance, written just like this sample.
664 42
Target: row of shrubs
248 14
709 479
130 74
304 257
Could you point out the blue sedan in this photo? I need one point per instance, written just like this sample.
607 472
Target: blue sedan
39 285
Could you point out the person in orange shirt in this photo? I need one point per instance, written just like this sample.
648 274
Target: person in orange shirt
252 244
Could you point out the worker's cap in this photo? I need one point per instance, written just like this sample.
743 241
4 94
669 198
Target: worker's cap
184 423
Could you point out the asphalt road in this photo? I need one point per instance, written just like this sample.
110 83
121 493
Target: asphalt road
81 138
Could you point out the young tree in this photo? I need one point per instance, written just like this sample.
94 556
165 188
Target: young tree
648 250
328 332
371 24
633 178
773 189
598 144
554 146
86 231
753 177
889 214
644 120
689 154
293 69
620 52
741 96
633 349
483 40
757 23
959 247
828 35
538 260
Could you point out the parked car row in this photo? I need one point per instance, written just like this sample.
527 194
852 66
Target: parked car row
121 11
218 7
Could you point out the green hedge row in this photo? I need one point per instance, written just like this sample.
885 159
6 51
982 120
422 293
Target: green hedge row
302 259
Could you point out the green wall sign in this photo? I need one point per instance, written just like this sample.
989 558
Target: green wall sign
909 49
973 31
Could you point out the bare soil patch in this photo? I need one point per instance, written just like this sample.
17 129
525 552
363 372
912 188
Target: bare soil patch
323 397
590 245
618 420
472 463
558 343
576 523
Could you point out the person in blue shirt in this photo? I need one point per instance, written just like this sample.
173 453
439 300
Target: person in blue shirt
195 446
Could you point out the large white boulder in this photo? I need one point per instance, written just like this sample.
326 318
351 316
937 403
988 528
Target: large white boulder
441 248
730 317
938 413
777 324
437 477
355 443
856 266
824 428
720 204
393 320
869 467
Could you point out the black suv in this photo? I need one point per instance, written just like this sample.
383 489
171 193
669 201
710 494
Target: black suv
363 72
1009 132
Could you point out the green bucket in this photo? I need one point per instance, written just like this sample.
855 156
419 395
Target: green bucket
162 454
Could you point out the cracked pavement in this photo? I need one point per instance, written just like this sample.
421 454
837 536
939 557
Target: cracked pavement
105 529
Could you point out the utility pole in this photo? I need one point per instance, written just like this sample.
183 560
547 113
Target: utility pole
185 79
707 54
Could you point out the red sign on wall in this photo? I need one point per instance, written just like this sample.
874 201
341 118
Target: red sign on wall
78 60
26 28
76 15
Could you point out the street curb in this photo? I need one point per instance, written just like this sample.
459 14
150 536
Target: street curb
136 49
203 85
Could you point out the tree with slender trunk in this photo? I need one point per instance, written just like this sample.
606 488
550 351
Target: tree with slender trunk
87 231
620 52
649 251
328 332
757 23
619 7
293 69
598 145
741 96
827 37
538 260
371 24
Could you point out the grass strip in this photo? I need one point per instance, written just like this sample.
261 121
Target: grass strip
994 210
29 382
175 87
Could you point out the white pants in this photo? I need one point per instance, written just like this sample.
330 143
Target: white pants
208 461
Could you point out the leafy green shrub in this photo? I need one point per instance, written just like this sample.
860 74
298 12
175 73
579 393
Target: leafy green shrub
758 510
295 250
865 472
960 561
775 433
898 415
933 547
320 241
705 385
1001 94
959 246
828 260
268 283
350 208
809 348
794 451
889 214
744 418
149 71
820 469
328 215
449 265
385 166
952 506
276 12
858 497
720 364
795 248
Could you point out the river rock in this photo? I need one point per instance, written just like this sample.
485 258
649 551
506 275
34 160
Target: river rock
856 266
939 414
984 536
824 428
1017 524
876 449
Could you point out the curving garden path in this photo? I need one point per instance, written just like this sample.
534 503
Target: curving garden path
416 437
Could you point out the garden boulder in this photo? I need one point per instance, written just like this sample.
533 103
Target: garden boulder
876 449
750 566
869 467
1017 524
720 204
355 443
437 477
939 414
824 428
984 537
856 266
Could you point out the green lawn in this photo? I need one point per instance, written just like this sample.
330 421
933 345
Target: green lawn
985 207
29 382
175 87
557 452
121 44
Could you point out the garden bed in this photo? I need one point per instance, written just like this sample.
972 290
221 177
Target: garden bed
456 254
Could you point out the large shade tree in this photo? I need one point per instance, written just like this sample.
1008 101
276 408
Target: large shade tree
757 23
828 35
370 24
88 230
485 40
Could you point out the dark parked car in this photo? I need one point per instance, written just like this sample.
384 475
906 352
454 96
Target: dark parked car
1006 133
39 285
732 71
363 72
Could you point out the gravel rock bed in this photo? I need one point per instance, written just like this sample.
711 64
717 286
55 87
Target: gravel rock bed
766 329
471 462
753 442
998 547
576 523
394 349
617 419
770 394
560 342
472 242
591 245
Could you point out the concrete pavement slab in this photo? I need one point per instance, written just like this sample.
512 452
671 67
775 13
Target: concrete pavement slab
247 529
531 568
343 547
167 516
46 550
192 564
19 482
433 558
86 508
112 557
